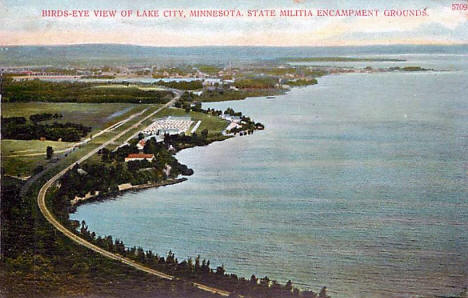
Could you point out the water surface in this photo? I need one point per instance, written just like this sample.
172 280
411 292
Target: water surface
358 184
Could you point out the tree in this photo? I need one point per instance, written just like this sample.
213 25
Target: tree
253 280
204 133
105 155
49 152
38 169
265 282
288 286
220 270
323 293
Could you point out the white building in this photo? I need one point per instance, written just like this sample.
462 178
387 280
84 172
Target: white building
169 125
139 157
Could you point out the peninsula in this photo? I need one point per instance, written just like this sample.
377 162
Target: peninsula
83 133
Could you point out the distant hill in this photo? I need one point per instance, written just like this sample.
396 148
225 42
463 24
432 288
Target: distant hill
92 54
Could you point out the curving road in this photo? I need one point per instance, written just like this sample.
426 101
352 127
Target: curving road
41 201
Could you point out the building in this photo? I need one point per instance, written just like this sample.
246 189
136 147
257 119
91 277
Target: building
82 172
125 186
139 157
233 125
212 82
170 125
197 93
141 144
231 118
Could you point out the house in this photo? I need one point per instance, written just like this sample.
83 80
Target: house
139 157
233 125
125 186
167 170
212 82
231 118
82 172
198 93
141 144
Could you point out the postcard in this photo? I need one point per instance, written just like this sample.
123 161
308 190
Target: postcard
285 148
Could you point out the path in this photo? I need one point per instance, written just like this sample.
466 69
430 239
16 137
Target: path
41 201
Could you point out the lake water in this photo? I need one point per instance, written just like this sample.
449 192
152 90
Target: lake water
358 183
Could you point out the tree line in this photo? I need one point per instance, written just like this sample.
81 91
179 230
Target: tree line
199 270
19 129
37 261
256 83
37 90
182 85
44 117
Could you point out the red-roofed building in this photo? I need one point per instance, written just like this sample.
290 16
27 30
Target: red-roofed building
139 156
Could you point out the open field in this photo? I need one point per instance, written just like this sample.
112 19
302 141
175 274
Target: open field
96 115
25 147
20 157
23 166
99 116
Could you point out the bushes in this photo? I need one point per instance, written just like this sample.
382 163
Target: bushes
17 128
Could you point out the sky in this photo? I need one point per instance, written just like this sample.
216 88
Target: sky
21 23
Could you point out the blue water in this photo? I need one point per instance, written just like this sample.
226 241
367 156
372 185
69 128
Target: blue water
358 183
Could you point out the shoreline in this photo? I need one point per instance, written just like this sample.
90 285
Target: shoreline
139 187
134 188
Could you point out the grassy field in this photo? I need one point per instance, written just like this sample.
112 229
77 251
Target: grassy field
22 166
96 115
22 163
28 147
20 157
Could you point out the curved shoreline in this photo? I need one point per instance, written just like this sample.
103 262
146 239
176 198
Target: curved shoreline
134 188
41 201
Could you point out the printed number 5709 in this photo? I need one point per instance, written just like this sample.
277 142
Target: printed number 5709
459 6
